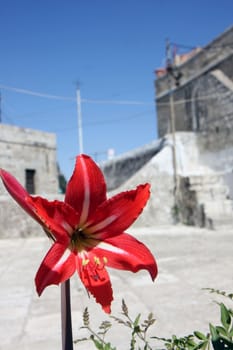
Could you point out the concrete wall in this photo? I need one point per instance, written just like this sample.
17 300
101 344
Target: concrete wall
213 53
22 149
119 169
15 222
204 197
203 104
204 99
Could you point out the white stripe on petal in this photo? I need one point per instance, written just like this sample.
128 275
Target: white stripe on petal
86 199
102 224
62 259
67 227
111 248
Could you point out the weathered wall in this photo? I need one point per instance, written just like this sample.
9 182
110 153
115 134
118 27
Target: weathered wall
159 209
203 196
120 169
204 104
22 149
208 57
204 99
14 222
203 201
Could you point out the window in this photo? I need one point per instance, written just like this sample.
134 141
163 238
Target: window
30 180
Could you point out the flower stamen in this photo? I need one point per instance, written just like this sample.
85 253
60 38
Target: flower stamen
94 267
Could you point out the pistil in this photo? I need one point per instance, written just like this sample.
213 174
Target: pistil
77 238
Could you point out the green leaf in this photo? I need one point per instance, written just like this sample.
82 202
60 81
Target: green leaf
213 332
225 316
231 332
201 346
98 344
108 347
136 321
191 342
200 335
222 331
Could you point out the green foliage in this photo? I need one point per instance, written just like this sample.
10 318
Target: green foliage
189 342
175 213
99 344
220 292
61 180
219 337
96 337
62 183
138 330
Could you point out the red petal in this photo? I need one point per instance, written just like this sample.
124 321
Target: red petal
19 194
86 189
57 266
58 217
124 252
119 212
96 280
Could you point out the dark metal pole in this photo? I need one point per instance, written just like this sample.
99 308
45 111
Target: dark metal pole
66 321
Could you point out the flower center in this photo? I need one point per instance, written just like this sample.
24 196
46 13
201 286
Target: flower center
81 240
77 235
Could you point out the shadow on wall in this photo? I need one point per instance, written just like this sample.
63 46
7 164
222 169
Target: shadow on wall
119 169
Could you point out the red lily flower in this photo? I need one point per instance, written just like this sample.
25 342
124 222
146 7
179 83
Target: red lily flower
88 231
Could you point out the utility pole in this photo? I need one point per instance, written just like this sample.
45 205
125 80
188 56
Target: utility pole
0 107
79 116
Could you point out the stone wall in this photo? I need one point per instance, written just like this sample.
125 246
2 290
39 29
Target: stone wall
159 209
14 222
204 104
204 197
22 149
204 100
119 169
208 57
203 201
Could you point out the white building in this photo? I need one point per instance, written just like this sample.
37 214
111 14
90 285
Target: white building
30 155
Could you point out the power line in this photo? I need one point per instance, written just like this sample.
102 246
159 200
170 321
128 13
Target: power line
84 100
35 93
119 102
28 115
92 101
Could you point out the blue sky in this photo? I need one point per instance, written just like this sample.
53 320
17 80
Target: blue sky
112 47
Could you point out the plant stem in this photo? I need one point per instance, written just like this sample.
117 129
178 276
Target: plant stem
66 321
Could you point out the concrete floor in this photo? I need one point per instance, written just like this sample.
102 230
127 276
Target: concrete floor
189 259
